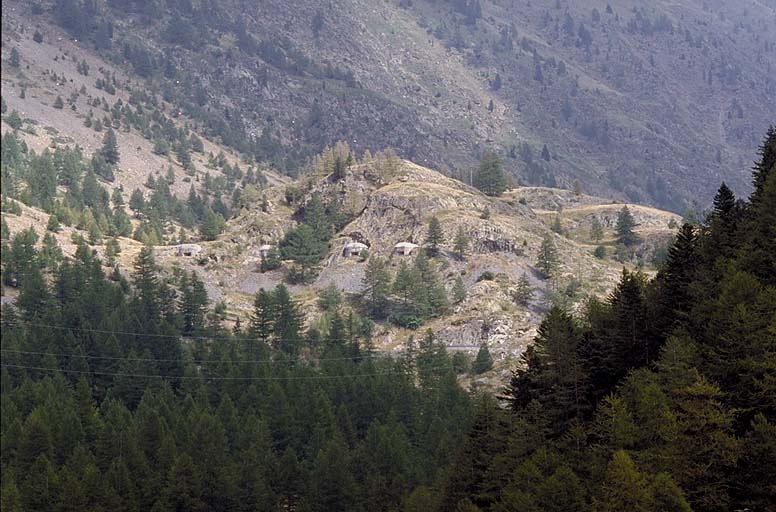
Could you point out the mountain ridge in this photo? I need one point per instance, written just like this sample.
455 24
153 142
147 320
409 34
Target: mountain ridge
622 98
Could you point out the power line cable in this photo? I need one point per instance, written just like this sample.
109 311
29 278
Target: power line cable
195 361
159 376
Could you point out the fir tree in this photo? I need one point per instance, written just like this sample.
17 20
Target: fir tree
263 318
483 362
524 292
461 243
624 228
146 284
547 261
271 260
212 225
287 324
14 120
330 298
110 148
53 224
489 177
15 58
435 236
376 285
305 247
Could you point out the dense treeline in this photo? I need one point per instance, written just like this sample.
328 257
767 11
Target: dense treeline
661 397
138 398
70 187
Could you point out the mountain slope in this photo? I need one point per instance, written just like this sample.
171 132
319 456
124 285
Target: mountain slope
635 102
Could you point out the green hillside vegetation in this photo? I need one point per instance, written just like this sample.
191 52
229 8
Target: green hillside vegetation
659 398
134 394
564 92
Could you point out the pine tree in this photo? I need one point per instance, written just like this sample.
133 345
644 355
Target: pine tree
287 325
271 260
194 304
483 362
263 318
468 477
110 147
765 168
524 292
330 298
552 371
15 58
147 284
624 228
14 120
212 225
50 253
305 247
19 261
53 224
490 177
435 236
112 249
547 261
117 198
461 243
410 307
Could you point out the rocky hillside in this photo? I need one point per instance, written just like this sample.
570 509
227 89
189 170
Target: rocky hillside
639 103
392 202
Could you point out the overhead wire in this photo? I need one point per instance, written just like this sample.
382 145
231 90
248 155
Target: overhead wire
220 378
195 361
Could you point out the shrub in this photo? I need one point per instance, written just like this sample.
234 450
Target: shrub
486 276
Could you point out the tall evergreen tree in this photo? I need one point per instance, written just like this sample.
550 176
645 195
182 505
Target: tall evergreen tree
305 247
435 236
489 177
547 261
624 228
524 292
212 225
110 148
146 283
484 361
376 286
263 318
623 488
461 243
287 325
